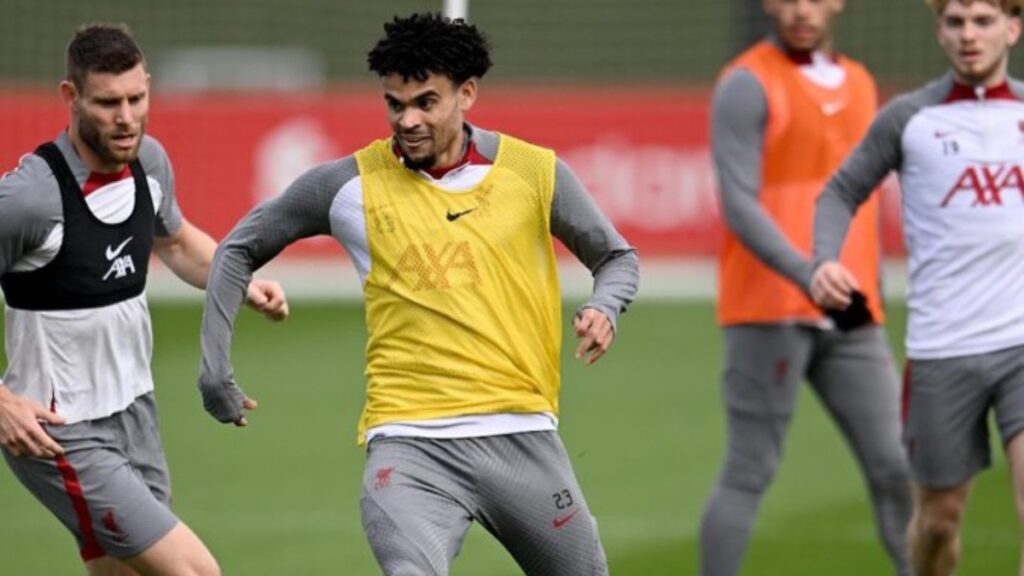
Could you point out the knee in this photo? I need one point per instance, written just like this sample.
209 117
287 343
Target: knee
890 476
750 476
939 520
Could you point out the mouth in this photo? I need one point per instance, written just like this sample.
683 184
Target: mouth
125 141
417 142
802 32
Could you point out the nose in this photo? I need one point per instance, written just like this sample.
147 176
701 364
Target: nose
969 32
409 118
125 114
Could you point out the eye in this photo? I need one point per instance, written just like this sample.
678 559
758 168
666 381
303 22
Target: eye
394 105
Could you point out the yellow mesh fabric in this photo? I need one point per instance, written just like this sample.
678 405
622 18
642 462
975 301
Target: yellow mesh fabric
463 305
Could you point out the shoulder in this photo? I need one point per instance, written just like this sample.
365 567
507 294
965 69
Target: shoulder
486 142
1017 87
328 177
153 157
903 107
737 85
30 190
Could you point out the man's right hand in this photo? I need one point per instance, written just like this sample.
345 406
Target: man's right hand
831 285
225 401
20 431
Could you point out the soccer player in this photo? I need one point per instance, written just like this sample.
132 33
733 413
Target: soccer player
958 145
784 114
450 228
79 218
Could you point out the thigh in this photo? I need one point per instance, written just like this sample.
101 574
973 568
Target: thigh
1008 393
855 377
95 493
414 509
142 443
764 367
945 432
530 500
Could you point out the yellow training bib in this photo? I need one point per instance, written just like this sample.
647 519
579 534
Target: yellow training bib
463 306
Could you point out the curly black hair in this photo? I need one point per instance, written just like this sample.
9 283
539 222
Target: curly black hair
428 42
101 48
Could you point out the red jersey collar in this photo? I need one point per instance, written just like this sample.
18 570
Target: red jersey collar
806 57
961 91
98 180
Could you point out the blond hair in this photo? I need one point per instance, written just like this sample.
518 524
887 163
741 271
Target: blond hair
1011 7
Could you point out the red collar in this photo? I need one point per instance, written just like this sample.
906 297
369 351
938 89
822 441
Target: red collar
98 180
470 156
806 57
961 91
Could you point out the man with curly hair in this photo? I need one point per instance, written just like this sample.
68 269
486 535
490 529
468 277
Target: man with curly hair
958 145
450 227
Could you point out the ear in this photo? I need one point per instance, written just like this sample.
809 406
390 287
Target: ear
1013 30
68 92
467 94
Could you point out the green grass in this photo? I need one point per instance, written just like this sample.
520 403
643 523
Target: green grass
644 428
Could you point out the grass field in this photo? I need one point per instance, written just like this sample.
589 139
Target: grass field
644 428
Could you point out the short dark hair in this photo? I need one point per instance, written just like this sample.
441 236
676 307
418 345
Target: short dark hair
423 43
101 48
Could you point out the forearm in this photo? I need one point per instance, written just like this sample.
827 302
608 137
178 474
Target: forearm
577 221
188 253
738 120
615 284
832 216
226 291
750 223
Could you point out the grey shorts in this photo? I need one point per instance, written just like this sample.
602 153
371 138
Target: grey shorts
946 407
111 489
420 496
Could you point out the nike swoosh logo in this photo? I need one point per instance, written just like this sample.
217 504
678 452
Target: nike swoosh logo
944 133
559 522
833 108
111 254
453 217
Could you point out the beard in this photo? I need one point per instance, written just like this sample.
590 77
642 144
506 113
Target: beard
425 163
101 145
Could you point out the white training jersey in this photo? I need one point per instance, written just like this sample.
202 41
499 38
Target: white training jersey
82 363
959 151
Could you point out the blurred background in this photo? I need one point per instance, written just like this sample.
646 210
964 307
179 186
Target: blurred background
248 94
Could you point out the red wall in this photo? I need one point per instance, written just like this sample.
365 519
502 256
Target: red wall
642 153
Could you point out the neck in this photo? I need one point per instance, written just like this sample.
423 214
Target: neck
995 79
454 153
824 45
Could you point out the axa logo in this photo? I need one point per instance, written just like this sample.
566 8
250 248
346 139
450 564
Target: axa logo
436 266
120 266
986 184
